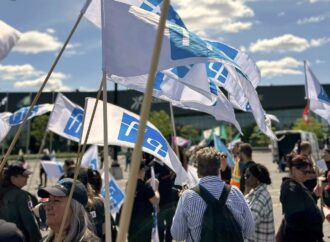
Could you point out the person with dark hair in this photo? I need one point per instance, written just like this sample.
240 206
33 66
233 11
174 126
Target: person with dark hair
16 204
187 221
245 156
95 180
260 202
311 180
302 218
145 197
95 203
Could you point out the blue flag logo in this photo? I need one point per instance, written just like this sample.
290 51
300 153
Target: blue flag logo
93 164
74 124
155 7
153 139
19 115
116 195
323 95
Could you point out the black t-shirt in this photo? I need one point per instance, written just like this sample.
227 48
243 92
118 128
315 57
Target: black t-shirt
142 208
166 182
97 214
303 219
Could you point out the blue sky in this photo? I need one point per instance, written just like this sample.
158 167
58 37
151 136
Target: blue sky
277 34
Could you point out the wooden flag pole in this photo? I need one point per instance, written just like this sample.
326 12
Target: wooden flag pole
36 98
174 132
136 157
106 161
79 159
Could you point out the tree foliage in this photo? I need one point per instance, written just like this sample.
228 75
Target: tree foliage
162 121
257 138
189 132
312 126
38 129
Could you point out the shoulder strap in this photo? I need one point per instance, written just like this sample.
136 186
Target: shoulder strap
205 194
224 194
208 197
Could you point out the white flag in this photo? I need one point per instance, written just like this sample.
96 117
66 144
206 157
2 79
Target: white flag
117 196
182 96
128 37
90 158
53 169
319 102
17 117
123 132
66 118
254 104
8 38
4 129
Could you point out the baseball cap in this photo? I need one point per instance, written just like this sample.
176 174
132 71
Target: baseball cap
17 169
62 189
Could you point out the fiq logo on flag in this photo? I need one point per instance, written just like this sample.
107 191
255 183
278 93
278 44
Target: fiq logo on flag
153 140
116 196
18 116
74 124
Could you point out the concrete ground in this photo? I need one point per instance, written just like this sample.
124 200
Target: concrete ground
262 157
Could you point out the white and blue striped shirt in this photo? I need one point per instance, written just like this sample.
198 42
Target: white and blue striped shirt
187 221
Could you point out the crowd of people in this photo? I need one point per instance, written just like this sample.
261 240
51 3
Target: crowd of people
227 204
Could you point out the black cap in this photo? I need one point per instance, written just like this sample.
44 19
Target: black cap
10 232
17 169
62 189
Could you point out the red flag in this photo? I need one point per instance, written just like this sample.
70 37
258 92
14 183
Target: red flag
305 114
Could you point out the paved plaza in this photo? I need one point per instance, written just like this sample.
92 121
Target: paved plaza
263 157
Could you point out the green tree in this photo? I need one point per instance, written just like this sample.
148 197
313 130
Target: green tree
257 138
189 132
162 121
312 126
38 129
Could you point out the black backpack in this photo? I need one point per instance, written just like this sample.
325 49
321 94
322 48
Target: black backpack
218 223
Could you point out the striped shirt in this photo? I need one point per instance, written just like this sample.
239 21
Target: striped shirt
260 203
187 221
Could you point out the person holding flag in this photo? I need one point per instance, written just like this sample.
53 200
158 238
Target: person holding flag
145 198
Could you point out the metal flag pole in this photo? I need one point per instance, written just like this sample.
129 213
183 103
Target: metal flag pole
136 158
20 128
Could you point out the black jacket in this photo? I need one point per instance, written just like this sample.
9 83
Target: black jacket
303 219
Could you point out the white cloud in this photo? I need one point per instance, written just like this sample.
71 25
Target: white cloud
26 76
215 15
319 62
14 72
280 14
55 82
314 19
285 66
50 30
34 42
285 43
317 1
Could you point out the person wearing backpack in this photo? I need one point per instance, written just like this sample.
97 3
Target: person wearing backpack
213 210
